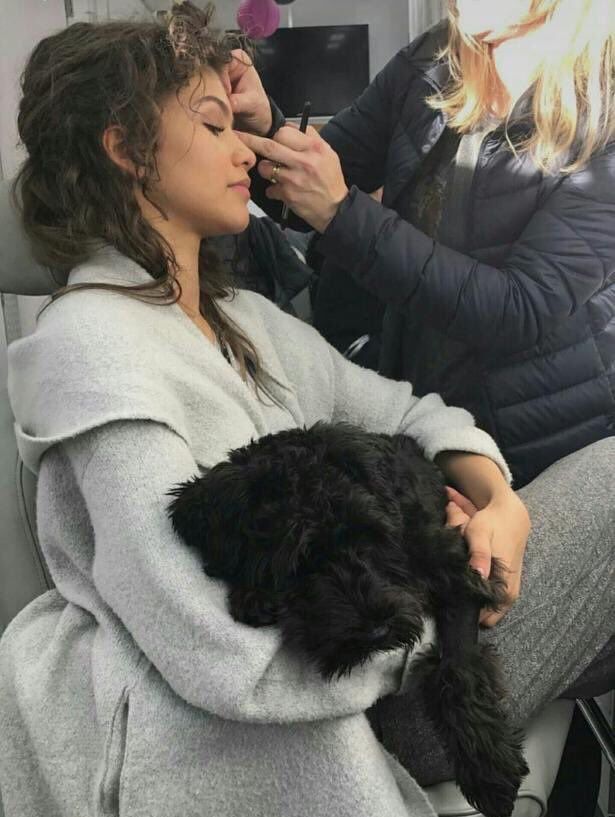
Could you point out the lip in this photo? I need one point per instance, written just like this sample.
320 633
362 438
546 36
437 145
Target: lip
242 187
243 190
243 183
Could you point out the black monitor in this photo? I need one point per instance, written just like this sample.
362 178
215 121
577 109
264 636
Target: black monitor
327 65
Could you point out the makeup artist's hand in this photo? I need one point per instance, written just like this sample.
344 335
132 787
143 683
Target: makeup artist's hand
249 102
310 178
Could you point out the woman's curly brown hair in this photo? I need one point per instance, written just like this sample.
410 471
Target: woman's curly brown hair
72 196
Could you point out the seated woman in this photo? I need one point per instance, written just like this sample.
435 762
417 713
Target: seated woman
129 689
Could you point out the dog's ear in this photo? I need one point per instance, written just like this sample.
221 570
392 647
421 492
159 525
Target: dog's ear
208 512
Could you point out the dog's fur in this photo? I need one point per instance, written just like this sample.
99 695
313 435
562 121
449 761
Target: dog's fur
339 537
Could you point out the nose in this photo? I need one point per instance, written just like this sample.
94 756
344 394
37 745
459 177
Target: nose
242 154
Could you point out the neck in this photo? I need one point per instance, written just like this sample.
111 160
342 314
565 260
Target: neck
185 244
186 250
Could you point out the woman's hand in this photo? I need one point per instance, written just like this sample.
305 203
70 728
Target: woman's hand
501 529
309 178
249 102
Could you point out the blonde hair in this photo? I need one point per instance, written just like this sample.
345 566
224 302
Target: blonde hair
573 107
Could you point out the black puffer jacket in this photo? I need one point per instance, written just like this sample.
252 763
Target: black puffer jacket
528 302
262 260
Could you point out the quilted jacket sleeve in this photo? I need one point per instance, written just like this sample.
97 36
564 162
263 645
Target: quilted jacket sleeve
565 255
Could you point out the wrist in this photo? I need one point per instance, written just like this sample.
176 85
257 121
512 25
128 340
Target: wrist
275 118
501 494
508 501
333 211
475 476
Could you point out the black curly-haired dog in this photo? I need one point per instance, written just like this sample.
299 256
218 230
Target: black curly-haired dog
339 537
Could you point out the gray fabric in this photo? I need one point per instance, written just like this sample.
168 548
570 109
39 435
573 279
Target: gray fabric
129 688
23 573
563 619
598 679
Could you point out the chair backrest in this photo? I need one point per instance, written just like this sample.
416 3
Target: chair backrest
23 572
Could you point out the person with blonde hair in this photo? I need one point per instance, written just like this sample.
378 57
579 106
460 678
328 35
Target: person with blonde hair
493 138
487 270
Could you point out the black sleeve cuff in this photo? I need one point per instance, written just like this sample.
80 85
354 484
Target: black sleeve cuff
278 120
351 234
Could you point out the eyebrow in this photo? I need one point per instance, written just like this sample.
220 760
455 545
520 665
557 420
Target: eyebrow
222 105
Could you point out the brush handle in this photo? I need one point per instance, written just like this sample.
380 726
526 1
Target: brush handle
305 117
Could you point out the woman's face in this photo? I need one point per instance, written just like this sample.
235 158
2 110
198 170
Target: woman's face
203 165
480 18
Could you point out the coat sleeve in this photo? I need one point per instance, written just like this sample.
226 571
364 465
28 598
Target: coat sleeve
175 613
365 398
565 255
328 387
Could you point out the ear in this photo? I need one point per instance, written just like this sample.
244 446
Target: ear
114 144
208 512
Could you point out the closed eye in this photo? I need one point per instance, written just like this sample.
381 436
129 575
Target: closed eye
215 130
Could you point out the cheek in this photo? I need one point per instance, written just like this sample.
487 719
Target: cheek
192 172
194 186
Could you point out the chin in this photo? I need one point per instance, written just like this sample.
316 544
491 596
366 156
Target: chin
238 219
229 225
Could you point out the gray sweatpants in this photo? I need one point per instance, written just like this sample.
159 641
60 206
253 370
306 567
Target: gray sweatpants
563 619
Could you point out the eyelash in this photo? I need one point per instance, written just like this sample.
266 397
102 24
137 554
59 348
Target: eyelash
216 131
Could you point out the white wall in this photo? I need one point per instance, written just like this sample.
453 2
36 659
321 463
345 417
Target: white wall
24 23
123 8
92 10
423 14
